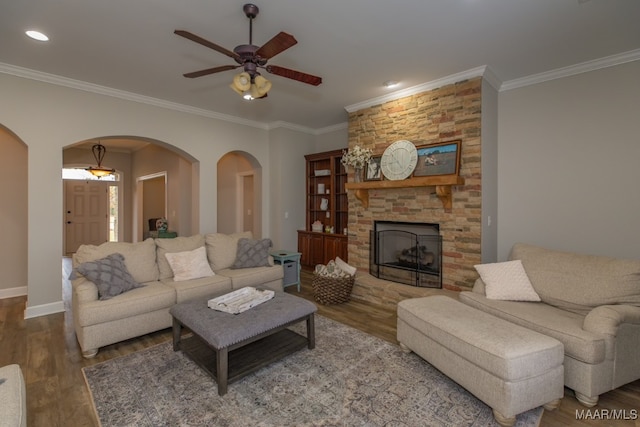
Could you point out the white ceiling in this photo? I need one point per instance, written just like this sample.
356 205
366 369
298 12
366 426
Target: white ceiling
354 45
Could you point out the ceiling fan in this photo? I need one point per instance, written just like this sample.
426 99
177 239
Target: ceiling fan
250 83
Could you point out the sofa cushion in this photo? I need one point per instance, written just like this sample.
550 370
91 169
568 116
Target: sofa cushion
152 297
190 264
252 253
253 276
188 290
562 325
507 281
221 248
109 274
140 258
178 244
577 282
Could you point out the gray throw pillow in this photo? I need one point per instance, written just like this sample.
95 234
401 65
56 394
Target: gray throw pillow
252 253
110 275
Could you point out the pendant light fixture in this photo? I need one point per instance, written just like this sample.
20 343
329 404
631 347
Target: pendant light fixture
99 151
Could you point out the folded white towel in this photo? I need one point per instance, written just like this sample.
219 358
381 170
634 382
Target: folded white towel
240 300
345 267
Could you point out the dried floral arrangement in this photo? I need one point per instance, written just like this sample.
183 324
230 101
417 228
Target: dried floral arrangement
357 157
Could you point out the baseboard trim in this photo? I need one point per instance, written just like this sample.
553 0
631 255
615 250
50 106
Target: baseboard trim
13 292
44 309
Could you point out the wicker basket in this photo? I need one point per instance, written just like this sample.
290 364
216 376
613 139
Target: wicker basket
331 290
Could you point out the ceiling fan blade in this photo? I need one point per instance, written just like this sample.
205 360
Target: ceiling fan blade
279 43
207 43
295 75
210 71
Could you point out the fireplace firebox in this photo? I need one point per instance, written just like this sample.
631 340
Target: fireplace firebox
406 252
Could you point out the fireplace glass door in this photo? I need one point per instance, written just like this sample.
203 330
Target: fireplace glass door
406 256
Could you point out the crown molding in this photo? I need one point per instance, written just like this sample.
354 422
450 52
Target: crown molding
121 94
332 128
483 71
304 129
596 64
290 126
490 77
424 87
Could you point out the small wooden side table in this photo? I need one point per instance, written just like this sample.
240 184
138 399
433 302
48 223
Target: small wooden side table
290 262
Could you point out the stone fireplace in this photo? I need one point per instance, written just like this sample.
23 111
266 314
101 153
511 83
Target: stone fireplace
452 112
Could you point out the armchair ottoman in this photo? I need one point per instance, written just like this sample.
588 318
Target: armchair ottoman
510 368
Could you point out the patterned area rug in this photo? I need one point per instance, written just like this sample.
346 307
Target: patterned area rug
349 379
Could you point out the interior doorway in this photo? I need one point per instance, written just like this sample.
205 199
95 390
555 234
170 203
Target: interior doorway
246 200
152 201
239 177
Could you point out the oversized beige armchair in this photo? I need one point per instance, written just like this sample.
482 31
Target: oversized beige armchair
589 303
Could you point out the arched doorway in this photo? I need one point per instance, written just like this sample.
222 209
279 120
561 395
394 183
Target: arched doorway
137 157
14 214
239 177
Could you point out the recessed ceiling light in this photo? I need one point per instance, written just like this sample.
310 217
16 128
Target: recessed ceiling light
37 35
390 83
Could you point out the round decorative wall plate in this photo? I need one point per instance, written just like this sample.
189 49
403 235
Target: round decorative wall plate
399 160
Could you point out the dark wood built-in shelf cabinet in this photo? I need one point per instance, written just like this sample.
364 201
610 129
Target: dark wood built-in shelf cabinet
319 247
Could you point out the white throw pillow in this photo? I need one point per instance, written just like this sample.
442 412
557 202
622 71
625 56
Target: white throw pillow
507 281
190 264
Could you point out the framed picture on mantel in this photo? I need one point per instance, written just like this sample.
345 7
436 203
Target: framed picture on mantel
438 159
372 170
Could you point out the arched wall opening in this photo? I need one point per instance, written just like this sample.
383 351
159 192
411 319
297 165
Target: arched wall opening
13 214
239 184
136 158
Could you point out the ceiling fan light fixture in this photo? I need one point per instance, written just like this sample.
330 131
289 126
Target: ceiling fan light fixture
242 81
262 85
241 84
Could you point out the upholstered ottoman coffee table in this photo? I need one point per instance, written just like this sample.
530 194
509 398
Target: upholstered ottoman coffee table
230 346
510 368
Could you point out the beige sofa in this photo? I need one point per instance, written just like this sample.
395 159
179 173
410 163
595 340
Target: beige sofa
589 303
146 309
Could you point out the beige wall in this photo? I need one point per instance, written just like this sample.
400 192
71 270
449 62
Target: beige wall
288 182
13 213
568 156
48 118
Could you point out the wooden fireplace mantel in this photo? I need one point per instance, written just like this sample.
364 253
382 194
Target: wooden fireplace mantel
442 184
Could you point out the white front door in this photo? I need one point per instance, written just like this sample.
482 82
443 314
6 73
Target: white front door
86 213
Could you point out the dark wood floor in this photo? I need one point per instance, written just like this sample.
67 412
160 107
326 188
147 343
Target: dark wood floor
46 349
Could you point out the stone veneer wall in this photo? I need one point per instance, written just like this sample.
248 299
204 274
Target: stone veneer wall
449 113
